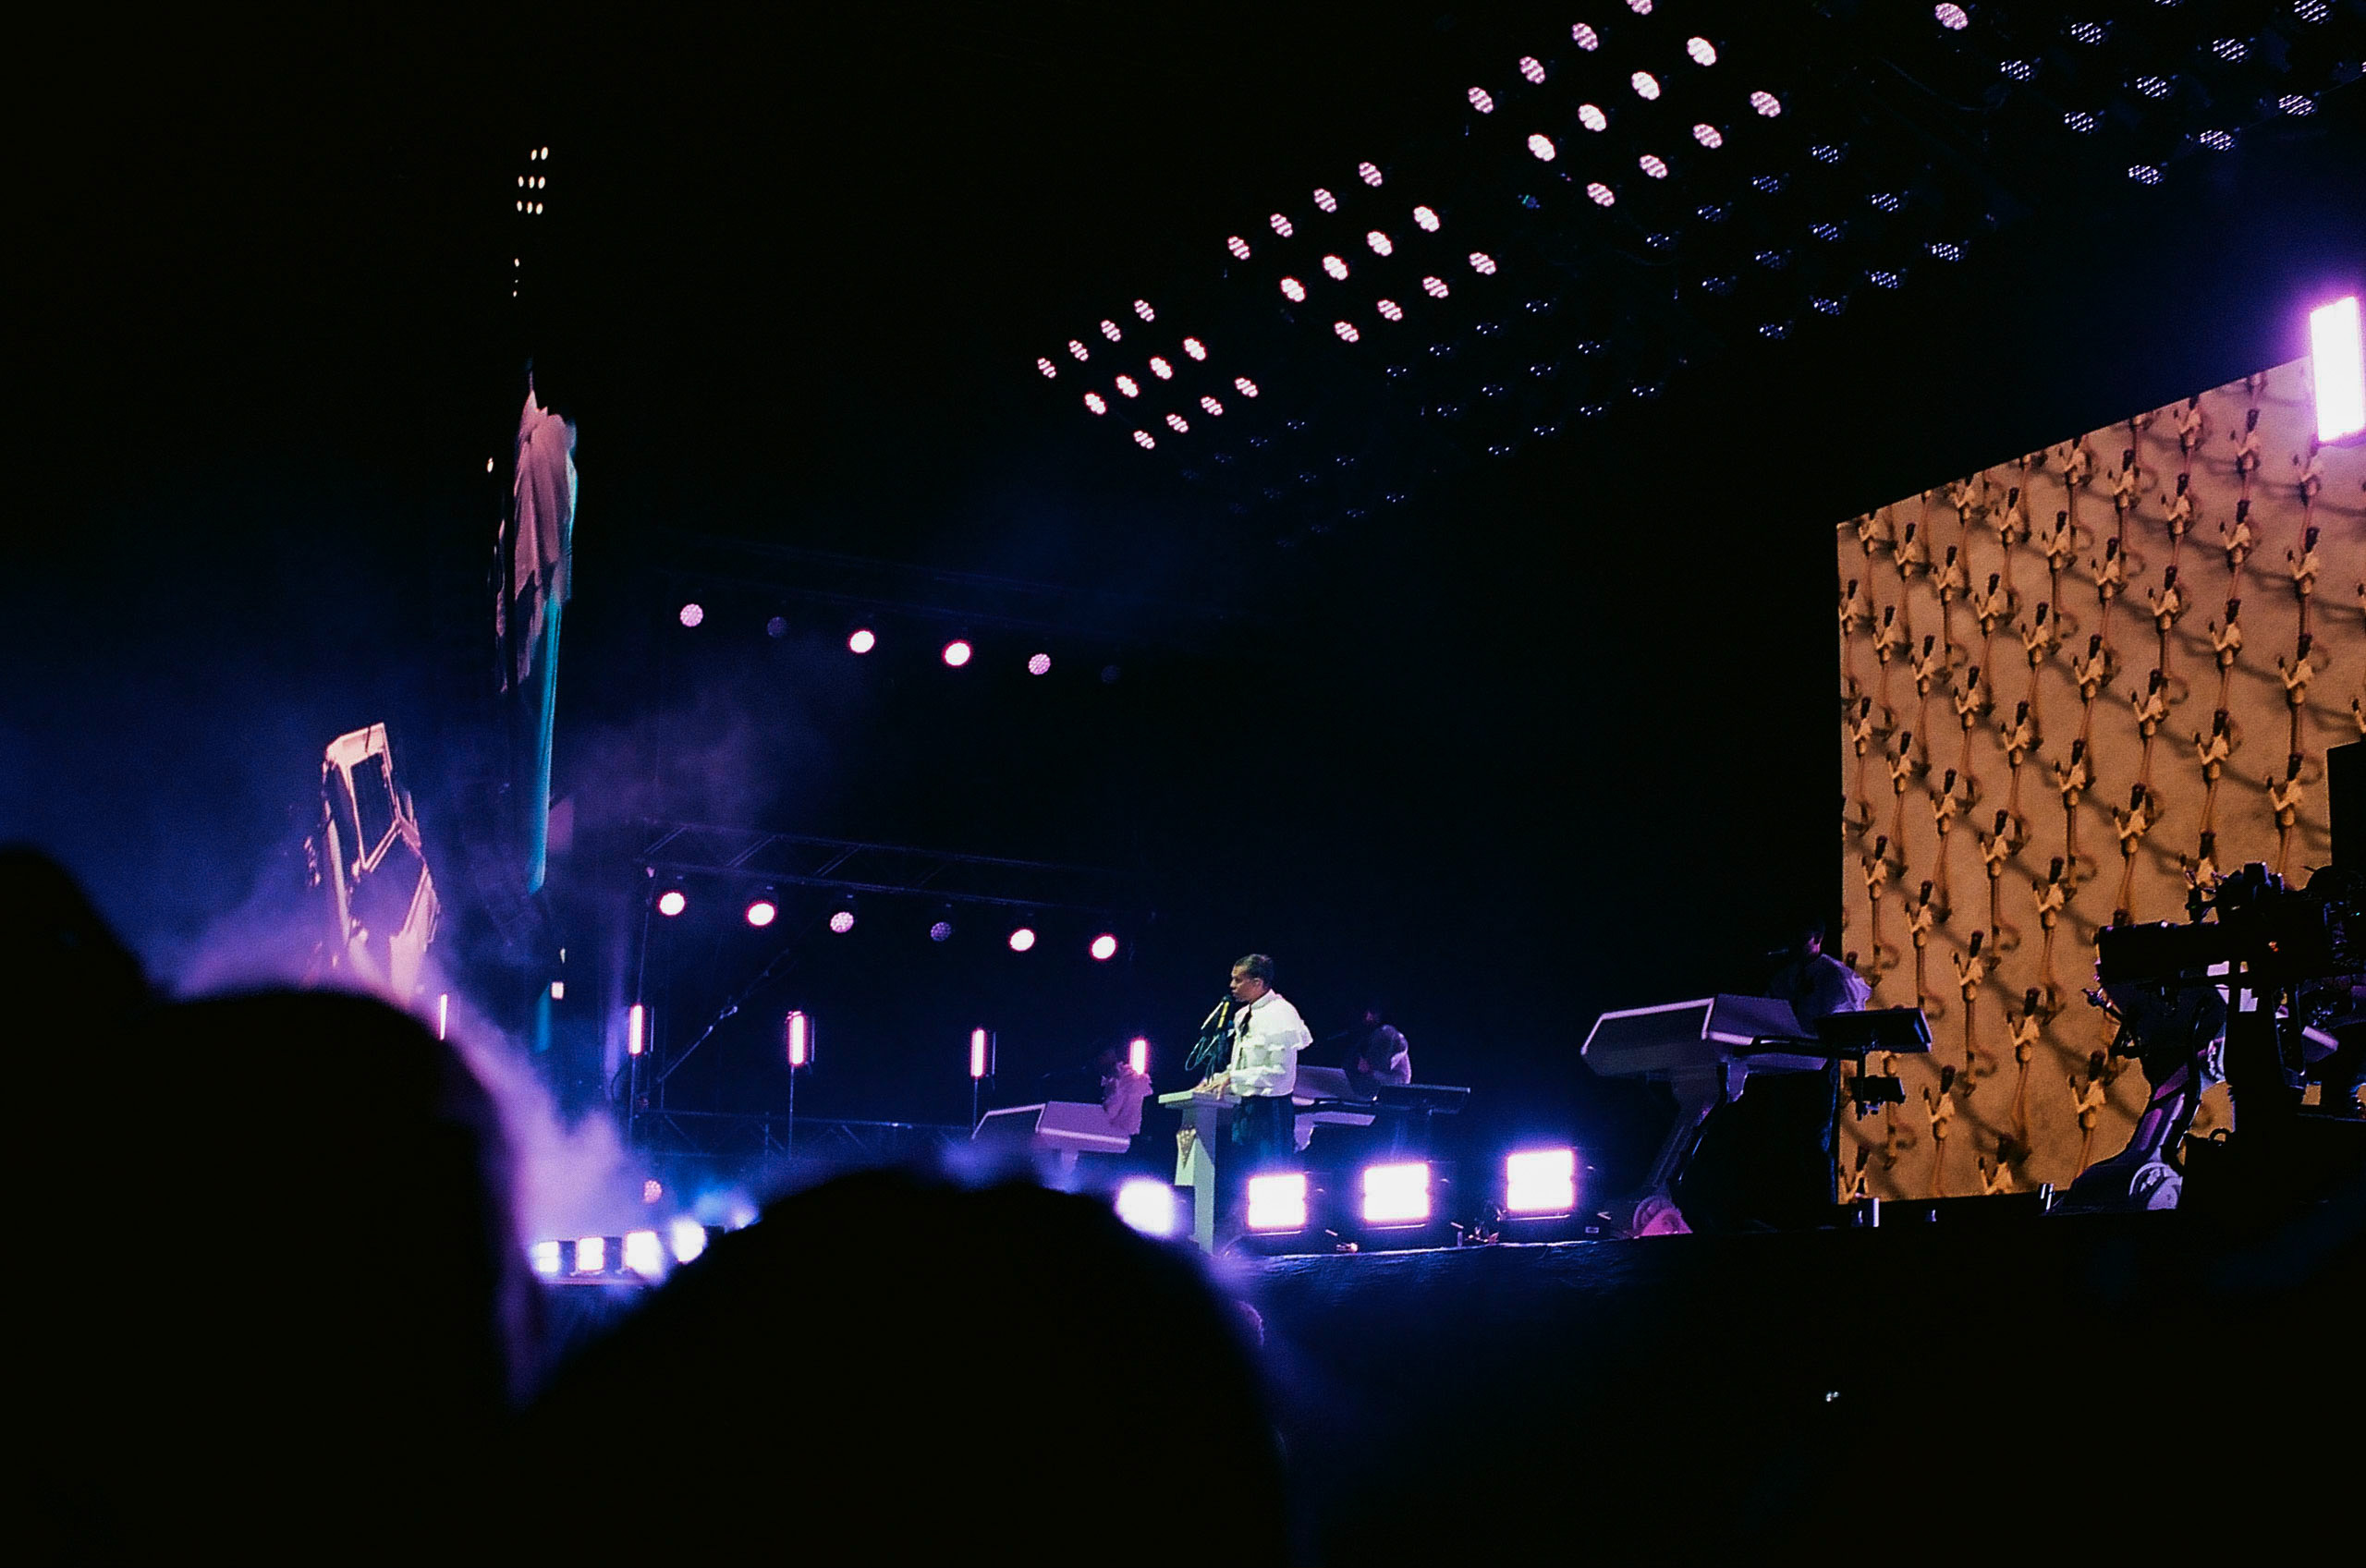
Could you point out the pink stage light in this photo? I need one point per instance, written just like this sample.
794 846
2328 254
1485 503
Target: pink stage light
1541 1181
636 1030
1532 68
1281 225
1483 101
644 1255
1646 85
1239 247
1179 424
1243 385
1213 408
1325 200
693 614
1161 368
957 653
1129 386
1380 243
1293 290
1022 940
1601 194
981 1052
1707 135
1195 349
1766 104
1703 53
1654 165
592 1255
1425 220
1137 1054
1346 330
762 912
1144 440
842 922
1542 147
1585 38
1369 173
1104 948
1141 309
1109 329
940 931
1049 369
672 902
1039 663
1389 310
1436 287
2337 364
1335 267
797 1035
1590 116
1953 18
1148 1205
1095 402
861 640
1482 264
1396 1195
1277 1203
1078 349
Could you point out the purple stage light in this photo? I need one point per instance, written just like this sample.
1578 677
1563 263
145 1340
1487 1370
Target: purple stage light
957 653
842 922
762 912
2337 364
1541 1181
863 639
636 1030
1148 1205
1277 1203
693 613
1396 1195
1137 1054
981 1053
688 1238
644 1255
796 1032
1041 663
1022 939
1104 948
672 902
940 931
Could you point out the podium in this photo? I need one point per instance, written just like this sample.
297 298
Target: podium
1209 1119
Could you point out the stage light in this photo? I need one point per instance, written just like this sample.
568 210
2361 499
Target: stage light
1482 264
1277 1203
1148 1205
1239 247
797 1038
1337 268
842 922
1161 368
1532 68
1325 200
1542 147
1078 349
1137 1054
957 653
762 912
2310 11
1041 663
1144 440
1436 287
1212 406
1708 135
1425 220
1766 104
1396 1195
1389 310
651 1190
443 1015
1944 251
688 1238
1293 290
1104 948
1590 116
1482 101
1541 1181
2337 365
591 1256
1096 403
1346 330
863 640
1022 940
940 931
1585 38
1369 173
777 627
1109 329
558 990
1129 386
636 1030
1141 309
644 1255
1883 279
2091 34
1195 349
1281 225
2021 70
1179 424
672 902
1703 53
1953 18
1050 370
693 613
2231 49
2216 141
544 1259
981 1053
1379 243
1651 165
1646 85
2297 104
1243 385
1641 8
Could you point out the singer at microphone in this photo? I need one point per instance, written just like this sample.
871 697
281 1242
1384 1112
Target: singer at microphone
1261 1068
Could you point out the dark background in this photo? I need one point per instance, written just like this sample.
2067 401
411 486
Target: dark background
1554 736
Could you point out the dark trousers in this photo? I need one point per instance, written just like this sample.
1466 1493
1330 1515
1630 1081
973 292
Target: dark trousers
1262 1137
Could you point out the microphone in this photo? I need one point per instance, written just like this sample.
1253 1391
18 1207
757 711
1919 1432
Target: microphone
1216 1014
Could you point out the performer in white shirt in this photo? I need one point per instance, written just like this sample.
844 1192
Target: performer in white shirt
1267 1035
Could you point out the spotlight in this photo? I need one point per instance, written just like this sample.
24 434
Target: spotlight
1541 146
644 1255
1703 53
842 922
863 639
1215 410
1243 385
1161 368
672 902
1482 264
1095 402
1653 165
940 931
1141 309
1708 135
1953 18
1148 1205
1481 101
1144 440
1293 290
1041 663
1532 68
1078 349
776 628
558 990
693 613
1425 220
796 1032
1646 85
591 1256
1541 1181
543 1257
981 1053
957 653
1277 1203
1396 1195
1369 173
1129 386
1389 310
688 1238
1281 225
1325 200
1137 1054
1195 349
444 1016
636 1030
1600 194
1104 948
1346 330
1239 247
2337 364
1022 940
1436 287
1049 369
1179 424
1766 104
1335 267
762 912
1109 329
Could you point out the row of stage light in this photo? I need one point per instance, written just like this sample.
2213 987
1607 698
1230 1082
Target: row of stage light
956 653
1395 1204
763 910
799 1043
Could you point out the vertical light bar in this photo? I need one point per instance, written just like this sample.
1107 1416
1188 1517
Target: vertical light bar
800 1039
2337 363
981 1048
443 1017
1137 1054
636 1022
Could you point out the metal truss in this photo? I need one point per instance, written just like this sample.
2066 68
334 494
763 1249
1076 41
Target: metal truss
764 1136
842 865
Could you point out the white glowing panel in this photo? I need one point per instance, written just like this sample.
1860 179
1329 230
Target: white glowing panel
2337 363
1278 1202
543 1256
1396 1195
688 1238
644 1255
1541 1181
636 1025
979 1044
592 1255
1148 1205
1137 1054
798 1029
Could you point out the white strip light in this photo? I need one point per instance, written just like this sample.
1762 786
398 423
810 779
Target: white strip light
2337 363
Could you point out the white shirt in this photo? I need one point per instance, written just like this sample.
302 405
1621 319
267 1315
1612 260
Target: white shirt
1267 1035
